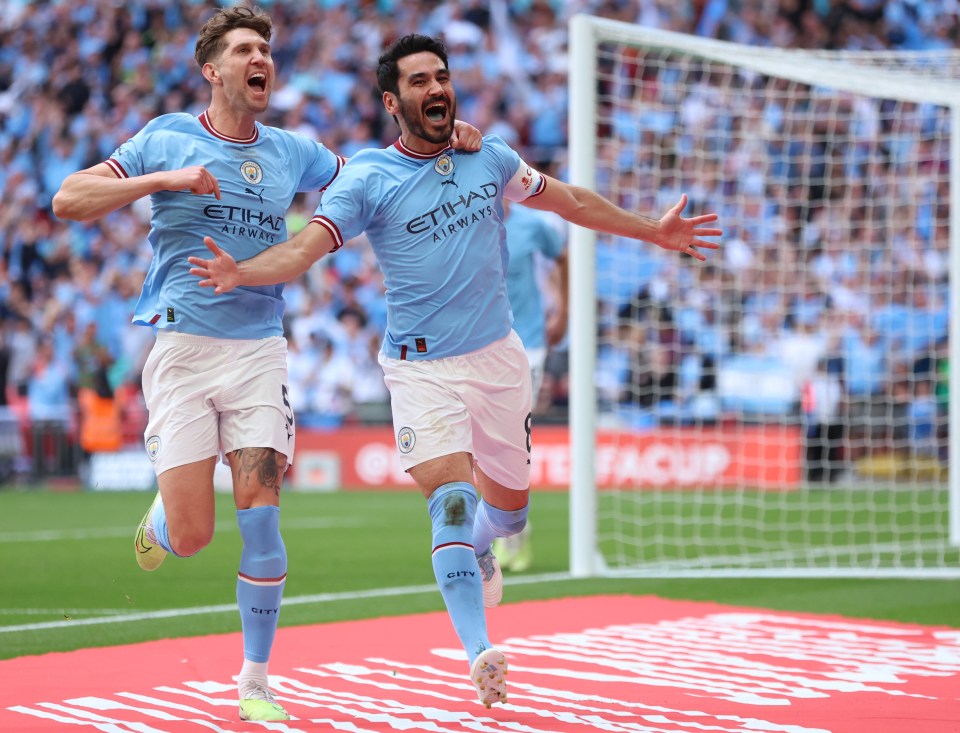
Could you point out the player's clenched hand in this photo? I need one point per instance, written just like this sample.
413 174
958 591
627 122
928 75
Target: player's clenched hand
465 137
683 235
195 179
220 273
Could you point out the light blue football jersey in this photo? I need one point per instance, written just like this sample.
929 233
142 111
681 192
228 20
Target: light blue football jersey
435 223
529 232
258 179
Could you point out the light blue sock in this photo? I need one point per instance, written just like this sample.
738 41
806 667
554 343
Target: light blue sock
263 571
492 522
158 521
452 508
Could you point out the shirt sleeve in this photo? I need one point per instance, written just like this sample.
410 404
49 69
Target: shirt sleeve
127 160
158 146
322 168
347 205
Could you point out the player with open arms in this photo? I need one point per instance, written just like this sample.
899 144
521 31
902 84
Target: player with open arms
215 381
458 377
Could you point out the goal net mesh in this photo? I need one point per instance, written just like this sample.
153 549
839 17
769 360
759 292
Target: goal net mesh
781 408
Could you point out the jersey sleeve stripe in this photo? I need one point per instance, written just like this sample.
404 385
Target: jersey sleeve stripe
332 228
341 161
117 169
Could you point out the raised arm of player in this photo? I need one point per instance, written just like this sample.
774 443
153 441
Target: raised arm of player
278 264
590 210
89 194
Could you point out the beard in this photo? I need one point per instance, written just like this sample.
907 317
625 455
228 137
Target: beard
417 122
238 99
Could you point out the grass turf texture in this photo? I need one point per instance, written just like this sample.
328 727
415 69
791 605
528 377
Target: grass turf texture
69 556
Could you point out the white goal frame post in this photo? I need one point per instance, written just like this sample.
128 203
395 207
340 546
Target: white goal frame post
832 70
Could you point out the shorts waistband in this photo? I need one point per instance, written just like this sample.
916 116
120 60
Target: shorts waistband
194 339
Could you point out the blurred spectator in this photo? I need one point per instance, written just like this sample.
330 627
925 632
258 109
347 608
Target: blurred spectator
922 419
370 397
330 390
799 174
48 387
93 362
22 341
822 408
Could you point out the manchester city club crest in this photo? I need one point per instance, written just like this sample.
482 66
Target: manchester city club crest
153 447
444 165
406 439
252 172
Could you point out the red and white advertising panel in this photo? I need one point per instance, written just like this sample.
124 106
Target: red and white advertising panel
757 456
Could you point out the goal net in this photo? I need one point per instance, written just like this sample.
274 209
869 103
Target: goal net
781 409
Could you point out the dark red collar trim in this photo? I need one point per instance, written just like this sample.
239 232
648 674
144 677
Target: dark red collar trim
205 121
413 154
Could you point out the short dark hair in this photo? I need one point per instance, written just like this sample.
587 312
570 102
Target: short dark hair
388 71
210 42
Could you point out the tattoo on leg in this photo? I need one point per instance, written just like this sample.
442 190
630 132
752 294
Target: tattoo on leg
261 466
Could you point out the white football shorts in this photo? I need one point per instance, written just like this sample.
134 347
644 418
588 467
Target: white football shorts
476 403
208 396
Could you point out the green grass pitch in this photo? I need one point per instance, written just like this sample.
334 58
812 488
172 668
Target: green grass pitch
67 558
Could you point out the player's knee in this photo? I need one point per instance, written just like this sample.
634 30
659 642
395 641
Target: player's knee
190 539
453 505
455 508
452 509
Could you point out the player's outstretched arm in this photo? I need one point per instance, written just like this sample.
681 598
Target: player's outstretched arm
278 264
588 209
89 194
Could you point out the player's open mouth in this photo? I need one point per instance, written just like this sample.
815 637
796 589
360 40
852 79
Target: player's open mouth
258 81
436 112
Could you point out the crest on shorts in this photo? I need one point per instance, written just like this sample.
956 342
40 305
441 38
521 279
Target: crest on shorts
251 170
444 165
153 447
406 439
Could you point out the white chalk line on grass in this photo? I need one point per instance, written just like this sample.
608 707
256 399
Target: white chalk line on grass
59 535
121 617
61 611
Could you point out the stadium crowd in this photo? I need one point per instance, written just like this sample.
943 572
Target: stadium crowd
79 78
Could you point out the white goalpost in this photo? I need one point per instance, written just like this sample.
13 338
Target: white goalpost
783 409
